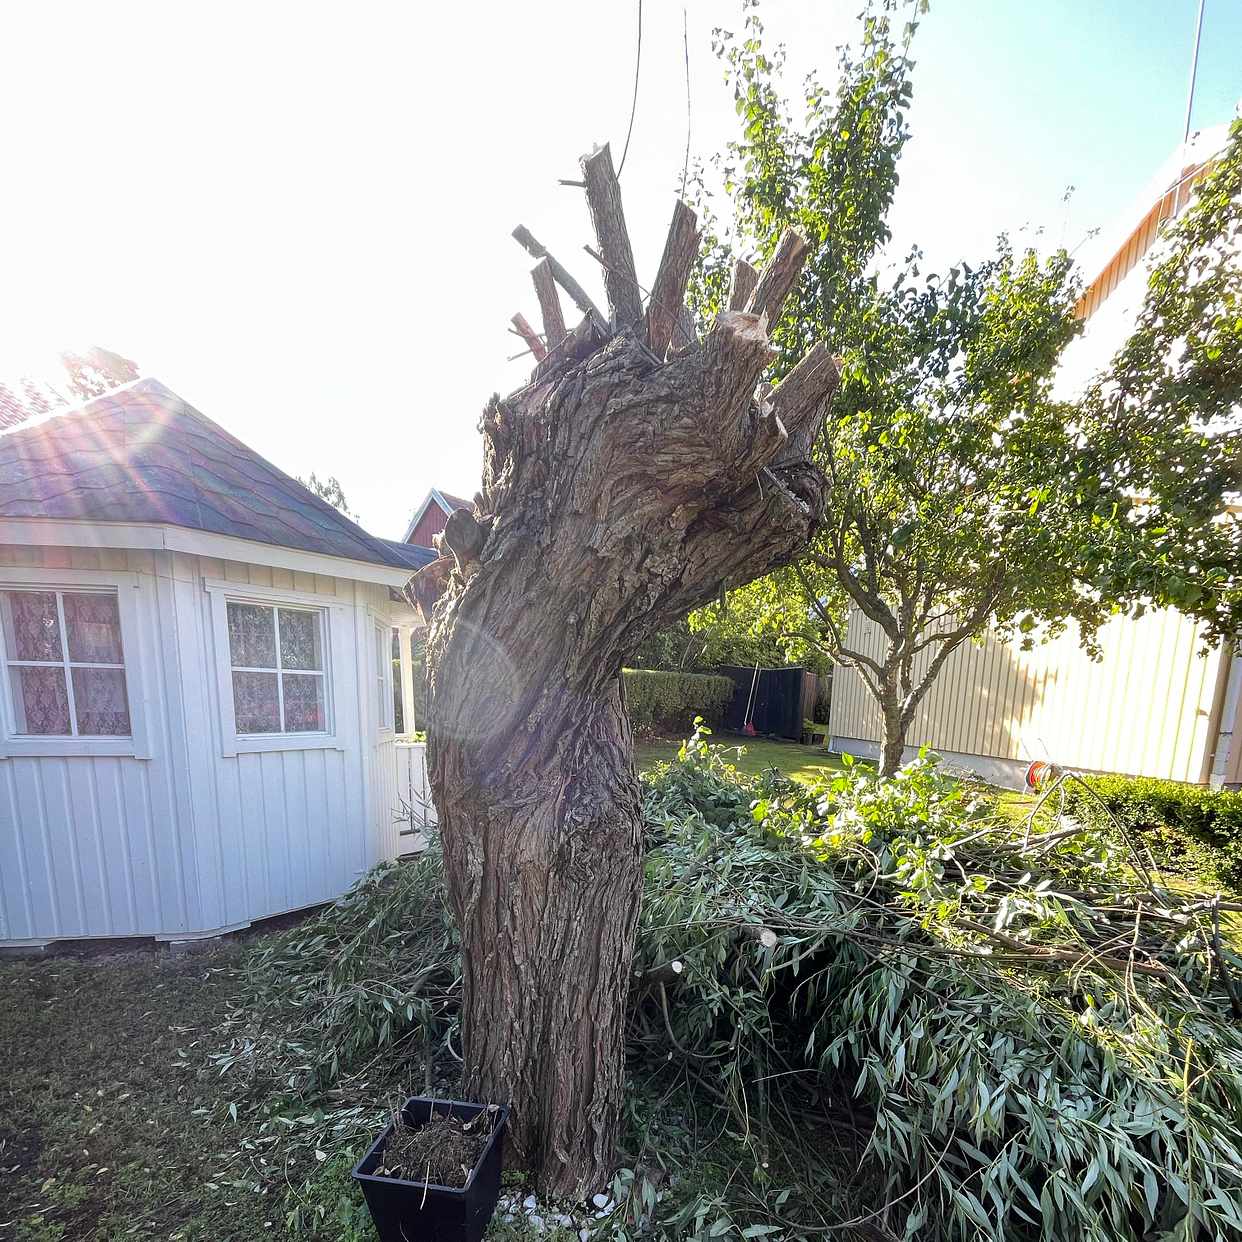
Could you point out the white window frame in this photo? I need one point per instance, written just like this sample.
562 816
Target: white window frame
385 704
335 670
126 588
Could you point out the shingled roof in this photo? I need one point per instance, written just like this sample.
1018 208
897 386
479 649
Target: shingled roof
142 454
61 382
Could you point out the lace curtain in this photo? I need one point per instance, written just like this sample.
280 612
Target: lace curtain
269 670
42 672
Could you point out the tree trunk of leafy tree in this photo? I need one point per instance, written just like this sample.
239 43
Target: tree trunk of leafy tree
895 725
634 475
894 681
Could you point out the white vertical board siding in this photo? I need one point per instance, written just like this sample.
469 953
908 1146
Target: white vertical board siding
383 793
1143 710
292 828
191 840
387 799
90 845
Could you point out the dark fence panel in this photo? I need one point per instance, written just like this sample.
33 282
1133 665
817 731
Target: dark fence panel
783 698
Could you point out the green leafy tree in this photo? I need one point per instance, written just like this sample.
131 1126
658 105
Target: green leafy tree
771 622
965 497
1162 427
329 489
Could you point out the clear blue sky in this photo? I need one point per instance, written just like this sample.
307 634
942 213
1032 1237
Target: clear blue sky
298 214
1033 97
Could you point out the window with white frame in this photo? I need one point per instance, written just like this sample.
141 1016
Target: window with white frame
65 663
279 675
383 676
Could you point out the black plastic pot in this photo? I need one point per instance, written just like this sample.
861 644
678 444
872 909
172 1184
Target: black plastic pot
405 1211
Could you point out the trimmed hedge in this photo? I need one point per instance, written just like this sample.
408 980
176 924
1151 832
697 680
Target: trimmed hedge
1189 827
670 701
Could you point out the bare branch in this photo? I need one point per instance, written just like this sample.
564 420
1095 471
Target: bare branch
840 651
745 278
532 338
549 303
779 276
668 294
870 605
603 192
576 292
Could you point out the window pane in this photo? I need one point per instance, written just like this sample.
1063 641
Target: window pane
299 639
303 704
383 662
255 703
99 699
252 636
93 623
40 701
31 628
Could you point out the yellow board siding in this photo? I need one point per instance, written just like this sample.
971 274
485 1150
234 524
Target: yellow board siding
1144 709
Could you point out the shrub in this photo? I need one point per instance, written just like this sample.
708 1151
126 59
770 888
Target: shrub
1189 827
669 702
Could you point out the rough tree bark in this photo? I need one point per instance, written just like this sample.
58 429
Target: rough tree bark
631 478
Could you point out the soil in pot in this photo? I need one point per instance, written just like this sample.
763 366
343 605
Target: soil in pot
441 1151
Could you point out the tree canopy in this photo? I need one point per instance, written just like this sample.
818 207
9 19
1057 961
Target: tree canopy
965 495
1161 427
329 489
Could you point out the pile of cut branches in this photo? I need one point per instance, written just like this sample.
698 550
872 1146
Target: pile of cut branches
1030 1036
866 992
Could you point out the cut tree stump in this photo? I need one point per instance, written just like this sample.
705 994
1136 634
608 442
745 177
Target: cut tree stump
631 479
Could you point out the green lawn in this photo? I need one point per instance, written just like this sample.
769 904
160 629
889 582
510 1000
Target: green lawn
798 762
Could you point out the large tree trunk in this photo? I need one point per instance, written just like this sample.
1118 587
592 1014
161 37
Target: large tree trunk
623 486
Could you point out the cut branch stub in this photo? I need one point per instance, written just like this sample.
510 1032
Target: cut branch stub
745 278
549 303
523 236
687 335
532 338
734 355
799 398
603 192
778 277
668 294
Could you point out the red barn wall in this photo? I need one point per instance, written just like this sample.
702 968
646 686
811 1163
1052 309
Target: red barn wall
431 523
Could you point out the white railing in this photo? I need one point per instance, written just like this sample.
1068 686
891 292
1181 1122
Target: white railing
415 811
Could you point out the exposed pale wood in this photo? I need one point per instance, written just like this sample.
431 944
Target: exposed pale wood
549 304
522 235
428 585
778 277
532 338
745 278
668 294
603 193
